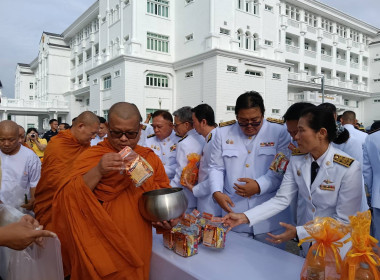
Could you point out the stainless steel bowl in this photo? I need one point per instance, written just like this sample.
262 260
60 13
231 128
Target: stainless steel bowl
163 204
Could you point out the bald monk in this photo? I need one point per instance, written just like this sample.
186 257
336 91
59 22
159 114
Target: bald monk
95 212
59 156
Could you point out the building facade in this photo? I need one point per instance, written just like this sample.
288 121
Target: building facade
162 54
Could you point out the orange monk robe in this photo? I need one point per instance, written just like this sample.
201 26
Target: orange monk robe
102 232
59 156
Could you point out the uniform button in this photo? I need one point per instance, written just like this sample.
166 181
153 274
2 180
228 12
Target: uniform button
247 165
164 143
249 152
249 137
313 210
163 154
309 197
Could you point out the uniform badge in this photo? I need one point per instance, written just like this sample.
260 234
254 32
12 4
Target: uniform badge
267 144
327 181
291 147
209 137
173 148
342 160
327 188
299 172
279 163
229 141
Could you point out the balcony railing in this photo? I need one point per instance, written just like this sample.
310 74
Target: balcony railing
293 23
311 29
342 40
294 76
365 68
354 65
341 61
327 58
327 35
292 49
311 54
37 104
342 84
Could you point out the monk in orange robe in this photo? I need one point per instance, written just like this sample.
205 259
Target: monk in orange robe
95 213
59 156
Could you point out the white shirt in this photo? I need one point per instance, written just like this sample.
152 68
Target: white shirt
97 139
146 130
360 135
20 172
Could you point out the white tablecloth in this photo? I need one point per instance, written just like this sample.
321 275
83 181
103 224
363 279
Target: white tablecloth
243 258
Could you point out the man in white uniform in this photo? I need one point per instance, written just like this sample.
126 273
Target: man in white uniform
190 143
348 120
371 167
102 133
21 168
164 141
242 153
204 124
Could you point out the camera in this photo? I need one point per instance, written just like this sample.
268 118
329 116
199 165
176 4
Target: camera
33 135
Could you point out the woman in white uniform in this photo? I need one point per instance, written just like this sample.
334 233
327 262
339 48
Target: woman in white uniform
331 188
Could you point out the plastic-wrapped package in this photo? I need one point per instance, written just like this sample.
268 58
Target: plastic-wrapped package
186 244
214 234
135 166
190 171
36 262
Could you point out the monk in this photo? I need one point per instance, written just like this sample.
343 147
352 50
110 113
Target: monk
96 213
59 156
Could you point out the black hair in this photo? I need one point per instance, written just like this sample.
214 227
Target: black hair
52 120
164 114
375 125
204 111
30 129
248 100
329 107
294 111
101 119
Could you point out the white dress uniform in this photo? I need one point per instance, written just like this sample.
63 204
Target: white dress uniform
356 133
97 139
146 130
192 142
166 150
205 201
235 155
334 193
371 167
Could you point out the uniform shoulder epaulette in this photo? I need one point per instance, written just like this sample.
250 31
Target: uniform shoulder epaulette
342 160
150 136
143 127
184 137
222 124
209 137
297 152
273 120
373 131
178 135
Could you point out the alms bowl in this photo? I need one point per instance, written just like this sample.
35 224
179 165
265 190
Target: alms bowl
163 204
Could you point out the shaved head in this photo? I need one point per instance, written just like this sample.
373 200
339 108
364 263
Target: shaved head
21 134
125 111
86 118
9 136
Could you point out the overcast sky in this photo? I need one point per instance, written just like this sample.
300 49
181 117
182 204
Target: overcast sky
23 21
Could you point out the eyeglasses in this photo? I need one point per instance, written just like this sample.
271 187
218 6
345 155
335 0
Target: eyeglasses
128 134
246 123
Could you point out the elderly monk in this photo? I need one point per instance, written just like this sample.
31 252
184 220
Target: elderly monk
96 213
59 156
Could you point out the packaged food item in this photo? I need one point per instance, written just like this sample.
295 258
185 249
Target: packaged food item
214 234
361 260
279 164
186 244
326 232
168 237
190 171
135 166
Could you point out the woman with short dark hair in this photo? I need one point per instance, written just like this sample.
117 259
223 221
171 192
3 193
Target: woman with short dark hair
37 144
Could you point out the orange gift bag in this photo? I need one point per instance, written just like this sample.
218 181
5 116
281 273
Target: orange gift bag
361 261
190 171
323 260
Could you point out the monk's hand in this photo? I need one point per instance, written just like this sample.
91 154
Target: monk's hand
251 187
234 219
110 162
290 233
224 201
167 224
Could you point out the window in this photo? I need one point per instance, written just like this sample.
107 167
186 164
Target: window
307 46
253 73
157 80
376 100
239 36
80 59
288 41
275 111
268 8
189 74
87 101
189 37
341 30
107 82
189 1
96 49
376 80
346 102
323 51
224 31
158 7
126 38
30 85
157 42
232 69
311 19
95 81
292 12
230 108
268 43
117 73
327 25
354 35
105 114
30 97
88 78
276 76
376 59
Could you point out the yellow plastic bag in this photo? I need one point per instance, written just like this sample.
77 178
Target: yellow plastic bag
190 171
361 251
325 251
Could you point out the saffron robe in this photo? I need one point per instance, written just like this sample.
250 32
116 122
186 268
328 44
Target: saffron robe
102 232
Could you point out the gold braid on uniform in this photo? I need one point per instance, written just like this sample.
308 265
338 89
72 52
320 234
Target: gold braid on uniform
222 124
143 127
184 137
342 160
150 136
297 152
273 120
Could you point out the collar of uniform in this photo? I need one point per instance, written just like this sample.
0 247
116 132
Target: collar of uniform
211 132
323 159
191 132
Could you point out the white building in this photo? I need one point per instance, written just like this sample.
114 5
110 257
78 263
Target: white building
168 54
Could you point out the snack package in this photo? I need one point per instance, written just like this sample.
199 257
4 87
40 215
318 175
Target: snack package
168 237
323 260
135 166
361 259
214 234
279 164
185 244
190 171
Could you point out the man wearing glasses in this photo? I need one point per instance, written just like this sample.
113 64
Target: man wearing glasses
102 232
242 153
164 141
190 143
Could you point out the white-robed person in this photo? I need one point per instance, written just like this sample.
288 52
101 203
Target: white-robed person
327 180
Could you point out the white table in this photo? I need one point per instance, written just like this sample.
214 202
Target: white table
243 258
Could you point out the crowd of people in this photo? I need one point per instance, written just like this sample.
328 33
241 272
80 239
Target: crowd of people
266 177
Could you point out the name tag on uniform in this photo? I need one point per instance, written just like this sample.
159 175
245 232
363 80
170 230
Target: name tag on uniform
330 188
